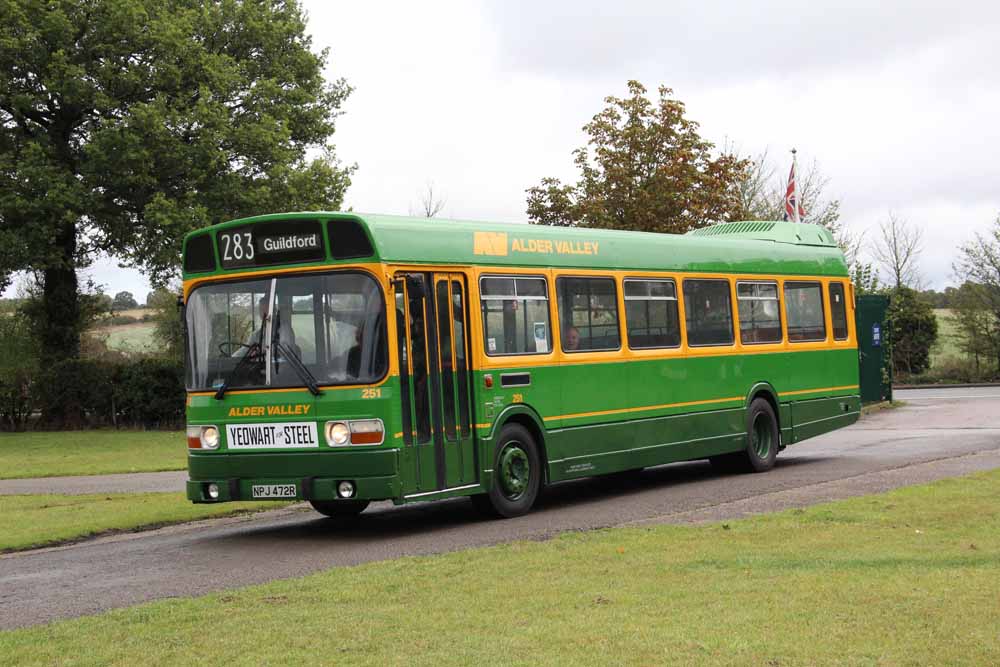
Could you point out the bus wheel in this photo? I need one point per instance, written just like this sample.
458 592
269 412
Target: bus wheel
339 509
517 475
762 436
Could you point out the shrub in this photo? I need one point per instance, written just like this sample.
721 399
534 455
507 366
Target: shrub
145 392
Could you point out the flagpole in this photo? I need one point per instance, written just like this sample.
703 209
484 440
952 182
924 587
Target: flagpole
795 169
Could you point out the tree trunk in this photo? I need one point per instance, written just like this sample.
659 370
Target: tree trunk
61 327
61 306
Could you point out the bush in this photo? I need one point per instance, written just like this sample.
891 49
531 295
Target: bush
149 393
146 392
118 320
914 330
18 368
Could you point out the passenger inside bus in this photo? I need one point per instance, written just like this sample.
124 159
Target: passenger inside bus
571 341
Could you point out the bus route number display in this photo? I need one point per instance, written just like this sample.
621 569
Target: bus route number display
288 242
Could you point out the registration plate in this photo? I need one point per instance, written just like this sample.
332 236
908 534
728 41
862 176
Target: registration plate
272 436
273 491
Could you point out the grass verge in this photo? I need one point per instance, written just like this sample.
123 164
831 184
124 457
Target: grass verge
96 452
28 521
909 577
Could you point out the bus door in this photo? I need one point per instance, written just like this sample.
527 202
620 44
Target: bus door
435 382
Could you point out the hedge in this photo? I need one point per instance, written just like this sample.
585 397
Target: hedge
145 393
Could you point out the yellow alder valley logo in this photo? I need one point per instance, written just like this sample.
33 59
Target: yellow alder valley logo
489 243
496 244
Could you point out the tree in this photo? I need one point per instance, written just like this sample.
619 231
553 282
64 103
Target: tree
914 330
431 203
167 327
645 168
978 330
124 301
126 123
978 265
898 249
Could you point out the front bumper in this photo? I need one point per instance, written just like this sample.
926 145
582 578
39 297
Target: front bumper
375 474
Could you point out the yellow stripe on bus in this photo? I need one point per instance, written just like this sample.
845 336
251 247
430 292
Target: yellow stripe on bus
647 407
816 391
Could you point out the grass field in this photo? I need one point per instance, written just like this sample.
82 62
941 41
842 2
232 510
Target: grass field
37 520
136 337
947 345
907 578
54 453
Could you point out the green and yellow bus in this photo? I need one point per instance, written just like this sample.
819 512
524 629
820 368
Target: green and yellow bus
341 358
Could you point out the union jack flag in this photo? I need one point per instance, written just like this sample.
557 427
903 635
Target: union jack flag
793 208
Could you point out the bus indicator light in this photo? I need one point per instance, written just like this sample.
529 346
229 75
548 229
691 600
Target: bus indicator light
366 432
488 381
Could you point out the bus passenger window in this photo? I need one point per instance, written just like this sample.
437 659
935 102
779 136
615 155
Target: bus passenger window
838 311
588 314
515 315
708 312
760 315
651 317
804 311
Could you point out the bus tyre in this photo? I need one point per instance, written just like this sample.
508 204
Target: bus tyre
762 436
517 475
339 509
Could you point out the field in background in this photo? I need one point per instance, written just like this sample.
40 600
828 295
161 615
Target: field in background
908 577
947 346
95 452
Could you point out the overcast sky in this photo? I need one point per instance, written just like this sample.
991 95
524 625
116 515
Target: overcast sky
898 103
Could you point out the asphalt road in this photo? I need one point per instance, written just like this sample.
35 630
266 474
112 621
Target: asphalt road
938 433
137 482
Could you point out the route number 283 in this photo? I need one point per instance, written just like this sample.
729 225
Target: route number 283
236 246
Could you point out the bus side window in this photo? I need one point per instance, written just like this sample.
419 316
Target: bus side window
760 316
708 312
515 315
804 311
588 314
838 311
651 317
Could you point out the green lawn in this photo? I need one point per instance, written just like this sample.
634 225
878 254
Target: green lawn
37 520
907 578
52 453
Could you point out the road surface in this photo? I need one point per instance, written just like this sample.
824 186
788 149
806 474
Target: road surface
938 433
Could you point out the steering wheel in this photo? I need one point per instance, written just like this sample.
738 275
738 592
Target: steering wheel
229 347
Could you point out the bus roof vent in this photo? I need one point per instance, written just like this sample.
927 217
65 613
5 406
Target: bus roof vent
765 230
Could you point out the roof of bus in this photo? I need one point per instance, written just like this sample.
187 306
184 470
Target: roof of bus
762 247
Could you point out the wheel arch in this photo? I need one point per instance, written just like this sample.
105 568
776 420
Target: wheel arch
766 391
526 416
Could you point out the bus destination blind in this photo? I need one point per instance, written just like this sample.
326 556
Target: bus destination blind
269 243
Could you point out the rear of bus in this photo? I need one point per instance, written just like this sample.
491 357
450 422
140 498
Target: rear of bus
287 358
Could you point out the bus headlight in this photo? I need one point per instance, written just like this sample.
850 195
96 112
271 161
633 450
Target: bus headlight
337 433
209 437
202 437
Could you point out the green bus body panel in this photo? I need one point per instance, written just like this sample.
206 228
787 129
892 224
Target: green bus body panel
593 418
453 242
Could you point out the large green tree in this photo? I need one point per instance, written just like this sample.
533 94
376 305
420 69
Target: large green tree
644 168
126 123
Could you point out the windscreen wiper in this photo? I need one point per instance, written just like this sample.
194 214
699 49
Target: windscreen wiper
299 368
253 353
293 359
